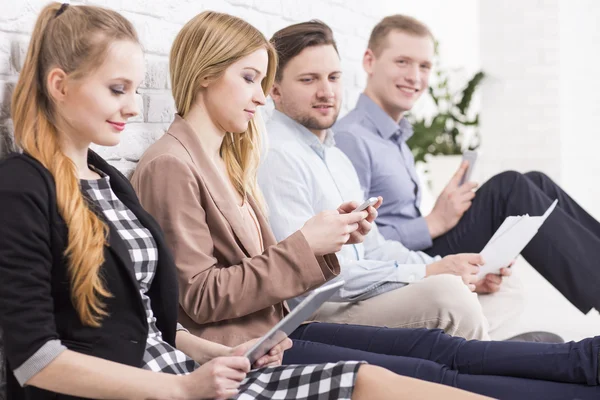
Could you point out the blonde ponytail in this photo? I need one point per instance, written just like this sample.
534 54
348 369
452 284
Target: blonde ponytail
36 133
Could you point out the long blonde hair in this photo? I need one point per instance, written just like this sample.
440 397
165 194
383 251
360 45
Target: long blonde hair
75 39
204 48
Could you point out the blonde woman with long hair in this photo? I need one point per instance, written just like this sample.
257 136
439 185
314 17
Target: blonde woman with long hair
88 295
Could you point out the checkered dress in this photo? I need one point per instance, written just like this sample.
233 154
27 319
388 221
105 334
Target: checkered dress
302 382
159 355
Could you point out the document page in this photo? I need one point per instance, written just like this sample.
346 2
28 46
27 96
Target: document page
509 240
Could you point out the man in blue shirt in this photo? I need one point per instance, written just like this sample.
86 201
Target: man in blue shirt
398 63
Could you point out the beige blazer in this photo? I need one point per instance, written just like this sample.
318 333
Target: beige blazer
227 293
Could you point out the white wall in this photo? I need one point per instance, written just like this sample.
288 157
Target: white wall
520 99
158 21
540 107
579 91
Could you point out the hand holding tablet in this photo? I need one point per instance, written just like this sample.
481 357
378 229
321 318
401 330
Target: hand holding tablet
292 321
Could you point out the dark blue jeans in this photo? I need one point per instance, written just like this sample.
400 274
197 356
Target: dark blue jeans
566 249
504 370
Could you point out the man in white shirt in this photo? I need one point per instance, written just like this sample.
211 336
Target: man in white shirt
304 173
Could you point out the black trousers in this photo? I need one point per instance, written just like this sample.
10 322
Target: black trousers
565 251
502 370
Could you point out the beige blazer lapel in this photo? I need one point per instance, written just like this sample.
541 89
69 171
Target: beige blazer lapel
218 190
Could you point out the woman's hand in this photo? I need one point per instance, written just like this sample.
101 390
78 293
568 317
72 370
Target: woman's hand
272 359
329 230
218 379
365 225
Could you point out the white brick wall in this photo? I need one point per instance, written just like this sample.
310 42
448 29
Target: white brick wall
158 21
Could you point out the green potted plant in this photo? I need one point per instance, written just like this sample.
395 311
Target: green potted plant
441 137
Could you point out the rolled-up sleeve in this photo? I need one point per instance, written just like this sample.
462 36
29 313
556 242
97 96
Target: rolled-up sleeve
31 341
39 360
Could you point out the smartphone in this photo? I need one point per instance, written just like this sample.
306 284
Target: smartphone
366 204
471 157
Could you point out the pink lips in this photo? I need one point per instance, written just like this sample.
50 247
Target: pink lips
411 91
323 109
117 125
250 113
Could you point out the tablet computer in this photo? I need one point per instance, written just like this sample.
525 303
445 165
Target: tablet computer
293 320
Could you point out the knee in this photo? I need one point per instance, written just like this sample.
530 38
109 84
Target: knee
505 182
454 297
458 308
536 176
506 178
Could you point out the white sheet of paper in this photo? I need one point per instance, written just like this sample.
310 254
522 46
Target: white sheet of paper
507 245
549 210
508 223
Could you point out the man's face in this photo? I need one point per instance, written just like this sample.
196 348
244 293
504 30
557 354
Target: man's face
399 74
310 90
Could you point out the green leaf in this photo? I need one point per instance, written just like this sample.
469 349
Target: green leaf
442 133
467 94
433 96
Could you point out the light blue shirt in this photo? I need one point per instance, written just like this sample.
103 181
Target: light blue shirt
377 147
300 177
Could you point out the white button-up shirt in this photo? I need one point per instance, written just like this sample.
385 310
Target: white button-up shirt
300 177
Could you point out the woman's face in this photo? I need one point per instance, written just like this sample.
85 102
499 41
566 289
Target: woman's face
96 107
232 100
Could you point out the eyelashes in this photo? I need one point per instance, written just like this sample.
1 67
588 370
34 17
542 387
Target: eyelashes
119 90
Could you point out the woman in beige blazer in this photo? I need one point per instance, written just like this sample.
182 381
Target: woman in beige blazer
199 182
233 282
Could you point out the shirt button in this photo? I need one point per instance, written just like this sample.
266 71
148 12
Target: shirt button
411 278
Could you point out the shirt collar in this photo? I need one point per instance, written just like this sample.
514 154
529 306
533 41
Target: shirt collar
385 125
306 136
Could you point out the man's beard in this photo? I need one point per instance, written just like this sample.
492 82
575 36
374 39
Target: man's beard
313 123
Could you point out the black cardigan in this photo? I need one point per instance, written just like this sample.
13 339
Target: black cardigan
35 303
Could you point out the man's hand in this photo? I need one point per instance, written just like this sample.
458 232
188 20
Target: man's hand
452 203
272 359
464 265
364 226
491 282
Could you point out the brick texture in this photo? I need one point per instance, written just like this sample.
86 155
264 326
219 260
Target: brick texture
157 23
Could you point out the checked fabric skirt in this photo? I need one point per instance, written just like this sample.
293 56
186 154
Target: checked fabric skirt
301 382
